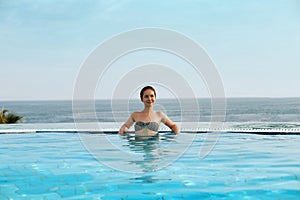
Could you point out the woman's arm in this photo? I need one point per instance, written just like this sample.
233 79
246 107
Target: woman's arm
126 126
165 119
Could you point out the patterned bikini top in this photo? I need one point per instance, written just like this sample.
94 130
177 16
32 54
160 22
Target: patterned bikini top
153 126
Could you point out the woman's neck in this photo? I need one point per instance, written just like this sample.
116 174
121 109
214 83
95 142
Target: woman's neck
148 109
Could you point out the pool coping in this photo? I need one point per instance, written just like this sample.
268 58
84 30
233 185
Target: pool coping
187 127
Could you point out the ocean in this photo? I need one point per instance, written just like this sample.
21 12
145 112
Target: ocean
237 110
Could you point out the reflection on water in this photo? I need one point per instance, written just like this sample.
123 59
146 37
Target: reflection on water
136 154
151 148
148 147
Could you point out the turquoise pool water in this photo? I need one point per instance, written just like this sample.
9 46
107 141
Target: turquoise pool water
240 166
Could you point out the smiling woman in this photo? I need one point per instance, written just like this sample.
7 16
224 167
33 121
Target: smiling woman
147 121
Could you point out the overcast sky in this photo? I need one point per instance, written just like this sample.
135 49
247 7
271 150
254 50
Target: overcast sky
254 44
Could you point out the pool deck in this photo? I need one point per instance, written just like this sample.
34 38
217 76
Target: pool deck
268 128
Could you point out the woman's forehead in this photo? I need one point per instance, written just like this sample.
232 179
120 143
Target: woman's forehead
148 91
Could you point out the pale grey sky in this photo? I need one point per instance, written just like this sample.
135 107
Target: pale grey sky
254 44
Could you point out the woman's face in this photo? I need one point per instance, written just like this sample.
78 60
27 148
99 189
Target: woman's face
148 97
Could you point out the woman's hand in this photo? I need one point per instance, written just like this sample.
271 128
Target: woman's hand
175 128
123 129
165 119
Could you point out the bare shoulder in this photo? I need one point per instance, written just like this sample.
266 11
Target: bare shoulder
160 114
134 115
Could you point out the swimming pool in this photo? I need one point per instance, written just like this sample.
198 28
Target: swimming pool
241 166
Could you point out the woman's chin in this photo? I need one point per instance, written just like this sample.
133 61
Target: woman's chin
149 103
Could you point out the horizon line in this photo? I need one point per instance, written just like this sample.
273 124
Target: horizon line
163 98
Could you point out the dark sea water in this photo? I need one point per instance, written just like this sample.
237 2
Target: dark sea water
237 110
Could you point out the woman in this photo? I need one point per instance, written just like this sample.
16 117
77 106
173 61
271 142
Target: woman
146 122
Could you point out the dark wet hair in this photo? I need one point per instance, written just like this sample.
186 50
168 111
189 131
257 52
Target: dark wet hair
147 88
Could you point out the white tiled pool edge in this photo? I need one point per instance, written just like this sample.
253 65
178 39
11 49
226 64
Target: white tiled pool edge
191 127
